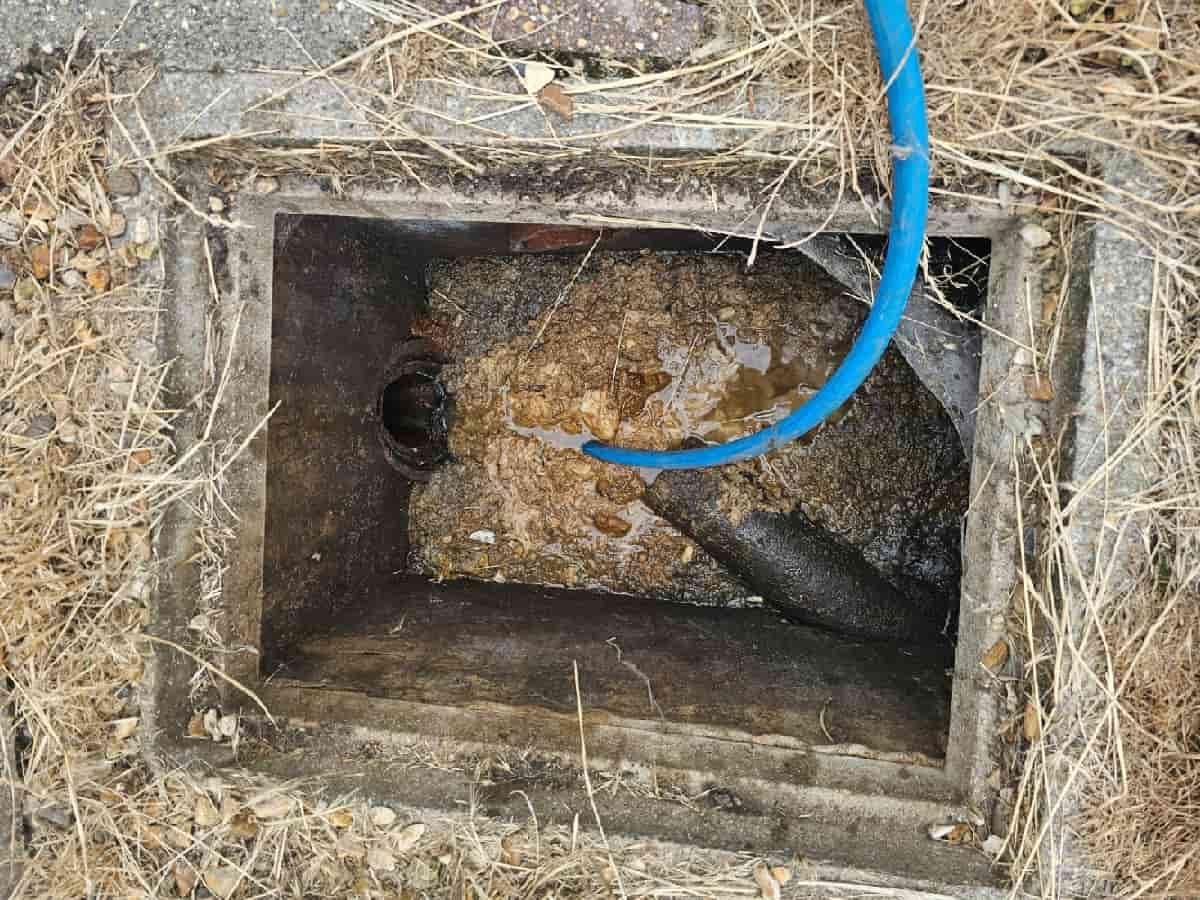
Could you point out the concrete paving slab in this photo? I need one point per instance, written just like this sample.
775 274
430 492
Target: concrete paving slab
231 35
625 29
222 35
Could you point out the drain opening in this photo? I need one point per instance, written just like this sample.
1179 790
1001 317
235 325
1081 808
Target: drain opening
484 571
413 412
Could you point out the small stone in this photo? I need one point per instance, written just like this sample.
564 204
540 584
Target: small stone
274 807
1031 724
142 231
123 182
83 330
127 256
115 227
39 259
599 414
620 485
124 728
341 818
536 76
483 536
996 656
83 262
408 836
40 425
382 817
993 845
266 185
55 814
527 26
89 237
611 524
554 98
580 43
11 226
228 726
216 204
244 826
99 279
25 292
7 277
1035 235
205 813
221 880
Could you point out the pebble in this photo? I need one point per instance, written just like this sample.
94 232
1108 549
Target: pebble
71 278
40 426
70 219
7 277
1035 235
383 816
123 182
611 524
11 225
141 230
483 536
115 226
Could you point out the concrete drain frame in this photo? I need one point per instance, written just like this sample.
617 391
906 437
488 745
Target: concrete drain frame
856 812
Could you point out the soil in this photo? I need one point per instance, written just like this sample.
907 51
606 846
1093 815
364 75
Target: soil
648 350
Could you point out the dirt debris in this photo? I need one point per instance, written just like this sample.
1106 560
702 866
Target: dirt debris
648 350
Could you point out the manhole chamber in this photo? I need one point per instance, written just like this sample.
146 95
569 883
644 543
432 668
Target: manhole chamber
457 603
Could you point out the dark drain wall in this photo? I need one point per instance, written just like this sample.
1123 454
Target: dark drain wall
343 295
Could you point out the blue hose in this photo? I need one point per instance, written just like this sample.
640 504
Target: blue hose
896 47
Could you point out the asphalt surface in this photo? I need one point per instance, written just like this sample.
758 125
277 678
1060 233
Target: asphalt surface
218 35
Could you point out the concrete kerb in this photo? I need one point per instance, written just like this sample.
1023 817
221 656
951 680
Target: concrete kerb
11 805
992 539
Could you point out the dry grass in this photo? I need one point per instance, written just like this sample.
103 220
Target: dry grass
87 466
